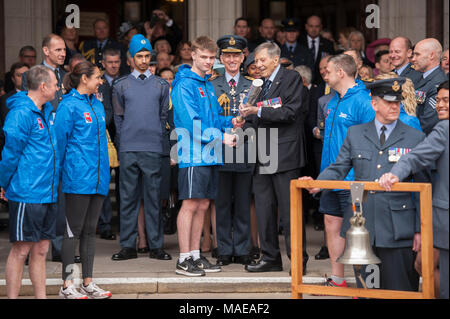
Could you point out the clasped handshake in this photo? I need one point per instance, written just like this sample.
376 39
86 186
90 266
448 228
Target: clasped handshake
238 122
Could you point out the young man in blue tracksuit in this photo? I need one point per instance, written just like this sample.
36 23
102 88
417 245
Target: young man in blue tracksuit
200 128
29 175
350 106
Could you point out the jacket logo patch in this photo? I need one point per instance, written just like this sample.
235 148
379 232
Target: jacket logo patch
201 92
41 126
87 117
343 115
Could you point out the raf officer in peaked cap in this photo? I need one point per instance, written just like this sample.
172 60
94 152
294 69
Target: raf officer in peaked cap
392 218
235 176
293 50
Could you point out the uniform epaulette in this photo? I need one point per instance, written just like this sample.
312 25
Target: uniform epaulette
119 79
249 78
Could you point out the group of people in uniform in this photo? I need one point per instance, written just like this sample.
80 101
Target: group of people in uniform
231 155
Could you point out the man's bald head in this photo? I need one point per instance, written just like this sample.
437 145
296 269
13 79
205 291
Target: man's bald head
427 54
267 29
313 26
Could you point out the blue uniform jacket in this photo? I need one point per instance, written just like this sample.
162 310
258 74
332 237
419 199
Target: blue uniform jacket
29 170
81 132
198 123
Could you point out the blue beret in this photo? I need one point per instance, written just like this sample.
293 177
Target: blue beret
137 43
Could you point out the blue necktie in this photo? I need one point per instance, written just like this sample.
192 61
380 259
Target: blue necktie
265 89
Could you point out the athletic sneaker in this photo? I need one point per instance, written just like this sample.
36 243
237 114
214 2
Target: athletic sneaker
188 268
331 283
204 264
70 293
92 291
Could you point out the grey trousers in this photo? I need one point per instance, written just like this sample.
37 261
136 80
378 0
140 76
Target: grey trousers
147 166
443 272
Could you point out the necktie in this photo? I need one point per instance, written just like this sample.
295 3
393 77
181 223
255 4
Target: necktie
313 48
142 77
57 76
232 83
265 89
291 49
382 135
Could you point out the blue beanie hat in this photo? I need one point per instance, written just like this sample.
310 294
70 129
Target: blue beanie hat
137 43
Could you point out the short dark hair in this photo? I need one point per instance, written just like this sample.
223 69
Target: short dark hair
16 66
26 48
164 70
111 52
380 54
46 41
443 86
98 20
241 19
344 62
77 57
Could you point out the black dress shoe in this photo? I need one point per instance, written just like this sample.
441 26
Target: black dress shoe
77 260
264 266
214 253
254 253
159 254
56 258
124 254
144 250
244 260
224 260
108 235
323 253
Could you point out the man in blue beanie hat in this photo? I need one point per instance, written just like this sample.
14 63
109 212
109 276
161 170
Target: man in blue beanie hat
141 103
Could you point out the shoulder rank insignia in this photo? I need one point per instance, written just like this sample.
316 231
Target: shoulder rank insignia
249 78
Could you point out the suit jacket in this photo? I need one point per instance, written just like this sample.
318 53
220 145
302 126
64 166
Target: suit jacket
90 51
325 48
412 74
432 150
288 120
300 56
58 96
322 109
314 145
392 218
230 107
426 111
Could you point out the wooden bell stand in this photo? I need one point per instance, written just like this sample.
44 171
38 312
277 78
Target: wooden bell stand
426 222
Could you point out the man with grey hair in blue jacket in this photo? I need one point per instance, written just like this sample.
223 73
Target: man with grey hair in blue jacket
29 175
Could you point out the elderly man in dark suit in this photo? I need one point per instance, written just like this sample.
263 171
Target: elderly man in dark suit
392 219
235 178
427 59
280 117
433 151
317 45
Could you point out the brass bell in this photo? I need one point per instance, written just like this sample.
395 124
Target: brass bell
358 250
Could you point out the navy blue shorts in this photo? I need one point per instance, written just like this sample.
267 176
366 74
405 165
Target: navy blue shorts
334 202
31 222
199 182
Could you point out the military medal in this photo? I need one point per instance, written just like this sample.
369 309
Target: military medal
393 155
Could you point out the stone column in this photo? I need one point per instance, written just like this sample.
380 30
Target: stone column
403 18
213 18
27 22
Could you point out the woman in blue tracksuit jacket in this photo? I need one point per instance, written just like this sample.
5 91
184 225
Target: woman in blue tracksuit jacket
81 132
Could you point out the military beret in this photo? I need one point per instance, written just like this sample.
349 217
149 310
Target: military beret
388 89
231 44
